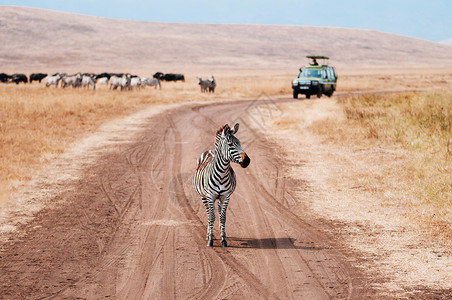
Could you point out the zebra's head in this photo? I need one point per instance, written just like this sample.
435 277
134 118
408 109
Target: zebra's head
228 146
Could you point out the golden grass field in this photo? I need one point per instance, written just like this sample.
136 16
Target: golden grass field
421 125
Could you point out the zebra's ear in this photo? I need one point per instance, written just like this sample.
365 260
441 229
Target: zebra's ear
235 129
226 130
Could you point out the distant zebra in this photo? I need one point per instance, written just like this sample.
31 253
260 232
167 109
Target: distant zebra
204 84
212 85
214 178
207 85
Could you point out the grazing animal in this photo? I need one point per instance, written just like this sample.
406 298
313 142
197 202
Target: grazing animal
169 76
125 82
53 80
204 84
135 82
37 77
115 81
207 85
151 82
122 82
102 80
158 75
4 77
214 178
103 75
212 85
74 80
19 78
173 77
88 81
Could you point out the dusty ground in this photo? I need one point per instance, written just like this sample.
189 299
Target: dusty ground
117 217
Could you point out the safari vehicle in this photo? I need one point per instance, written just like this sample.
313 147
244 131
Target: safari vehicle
315 79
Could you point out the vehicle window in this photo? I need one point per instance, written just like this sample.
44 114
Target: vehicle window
311 73
332 73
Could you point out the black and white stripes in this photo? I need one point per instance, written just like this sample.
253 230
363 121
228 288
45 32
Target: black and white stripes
214 178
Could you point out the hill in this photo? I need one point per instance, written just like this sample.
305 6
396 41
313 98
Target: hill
37 39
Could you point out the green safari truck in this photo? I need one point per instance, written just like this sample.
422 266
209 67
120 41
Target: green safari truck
315 79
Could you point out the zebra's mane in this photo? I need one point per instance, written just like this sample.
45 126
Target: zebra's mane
220 131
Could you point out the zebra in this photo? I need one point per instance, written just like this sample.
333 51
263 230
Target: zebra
214 177
212 85
204 84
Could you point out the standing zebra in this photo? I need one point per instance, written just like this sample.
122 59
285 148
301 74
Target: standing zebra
214 178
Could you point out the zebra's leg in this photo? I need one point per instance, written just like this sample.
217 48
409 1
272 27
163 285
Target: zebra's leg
222 213
206 204
211 219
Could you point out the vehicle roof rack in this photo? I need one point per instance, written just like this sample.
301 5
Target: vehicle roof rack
317 57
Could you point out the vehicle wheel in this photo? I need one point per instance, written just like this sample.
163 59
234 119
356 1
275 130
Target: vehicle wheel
295 94
330 93
308 96
319 93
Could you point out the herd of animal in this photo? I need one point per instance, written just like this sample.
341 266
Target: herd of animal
123 81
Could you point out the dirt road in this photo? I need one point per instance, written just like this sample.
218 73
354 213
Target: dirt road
133 228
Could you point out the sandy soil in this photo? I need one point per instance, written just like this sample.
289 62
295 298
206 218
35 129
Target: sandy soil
125 223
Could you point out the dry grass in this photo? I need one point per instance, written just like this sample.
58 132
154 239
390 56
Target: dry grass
394 80
418 124
380 165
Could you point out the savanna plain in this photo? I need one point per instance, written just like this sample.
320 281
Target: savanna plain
377 156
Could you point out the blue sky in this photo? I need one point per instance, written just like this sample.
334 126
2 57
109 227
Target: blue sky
429 20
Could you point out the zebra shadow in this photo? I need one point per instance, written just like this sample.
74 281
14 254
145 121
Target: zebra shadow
271 243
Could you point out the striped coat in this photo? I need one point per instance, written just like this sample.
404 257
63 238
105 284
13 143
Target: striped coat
215 179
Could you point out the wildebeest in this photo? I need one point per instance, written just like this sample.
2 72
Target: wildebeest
158 75
4 77
53 79
19 78
37 77
103 75
88 81
169 76
151 82
74 80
